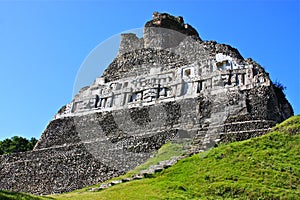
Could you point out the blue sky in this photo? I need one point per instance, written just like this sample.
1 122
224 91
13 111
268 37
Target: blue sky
44 43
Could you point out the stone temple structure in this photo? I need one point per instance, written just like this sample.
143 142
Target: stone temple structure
169 85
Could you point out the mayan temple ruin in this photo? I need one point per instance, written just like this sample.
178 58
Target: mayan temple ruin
168 85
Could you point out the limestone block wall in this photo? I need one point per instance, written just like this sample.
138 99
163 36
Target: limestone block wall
52 170
122 124
129 43
264 108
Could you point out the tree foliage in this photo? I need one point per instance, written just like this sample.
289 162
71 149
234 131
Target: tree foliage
279 85
16 144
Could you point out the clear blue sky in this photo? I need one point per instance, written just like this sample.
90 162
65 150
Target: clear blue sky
43 44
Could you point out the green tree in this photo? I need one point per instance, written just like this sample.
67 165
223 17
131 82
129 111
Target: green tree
17 144
32 143
6 146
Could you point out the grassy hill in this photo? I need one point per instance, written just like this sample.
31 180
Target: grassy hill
7 195
267 167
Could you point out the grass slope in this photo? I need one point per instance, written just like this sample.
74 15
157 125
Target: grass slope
8 195
267 167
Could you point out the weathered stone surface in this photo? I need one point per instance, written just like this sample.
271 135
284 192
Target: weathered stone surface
157 89
171 38
52 170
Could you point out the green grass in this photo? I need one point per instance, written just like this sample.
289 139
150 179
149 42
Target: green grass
8 195
266 167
